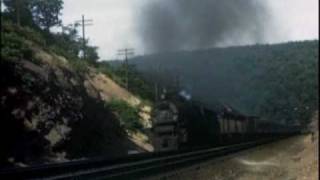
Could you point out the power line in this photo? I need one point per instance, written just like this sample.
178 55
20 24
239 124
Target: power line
84 22
126 53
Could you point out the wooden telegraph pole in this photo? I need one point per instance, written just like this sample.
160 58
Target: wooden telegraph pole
156 84
126 53
18 9
17 4
84 22
1 21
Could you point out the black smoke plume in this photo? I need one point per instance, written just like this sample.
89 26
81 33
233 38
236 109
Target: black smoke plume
170 25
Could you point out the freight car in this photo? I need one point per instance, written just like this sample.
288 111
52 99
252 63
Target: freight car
183 123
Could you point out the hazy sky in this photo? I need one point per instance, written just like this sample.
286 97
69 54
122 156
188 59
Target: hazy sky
115 24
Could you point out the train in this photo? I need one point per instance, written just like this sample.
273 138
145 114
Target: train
180 123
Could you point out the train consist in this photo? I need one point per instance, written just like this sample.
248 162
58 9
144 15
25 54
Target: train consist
181 123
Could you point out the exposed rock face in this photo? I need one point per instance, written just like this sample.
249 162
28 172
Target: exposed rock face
38 107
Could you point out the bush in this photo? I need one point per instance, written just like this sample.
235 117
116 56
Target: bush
62 52
105 69
24 32
15 47
32 35
128 115
80 66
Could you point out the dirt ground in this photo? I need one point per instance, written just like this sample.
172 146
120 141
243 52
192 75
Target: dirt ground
295 158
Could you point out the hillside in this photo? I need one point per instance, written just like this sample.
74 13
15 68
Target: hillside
276 82
54 108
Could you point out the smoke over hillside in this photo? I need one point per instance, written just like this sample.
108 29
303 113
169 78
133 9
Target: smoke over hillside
269 81
169 25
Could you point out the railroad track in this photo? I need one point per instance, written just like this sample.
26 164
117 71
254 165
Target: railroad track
131 167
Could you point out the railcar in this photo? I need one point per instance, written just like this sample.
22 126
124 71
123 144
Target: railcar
180 123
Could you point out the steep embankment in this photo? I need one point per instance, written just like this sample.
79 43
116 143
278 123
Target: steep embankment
55 109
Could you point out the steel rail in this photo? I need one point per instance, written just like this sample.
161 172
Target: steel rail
143 166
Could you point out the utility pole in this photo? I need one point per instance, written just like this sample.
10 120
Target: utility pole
176 80
126 53
18 9
84 22
156 92
156 84
1 21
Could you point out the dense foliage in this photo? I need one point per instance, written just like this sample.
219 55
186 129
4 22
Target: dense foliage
46 13
275 82
34 13
14 42
38 17
19 12
128 115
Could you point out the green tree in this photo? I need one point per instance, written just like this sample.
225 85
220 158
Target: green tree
67 42
46 12
91 54
19 12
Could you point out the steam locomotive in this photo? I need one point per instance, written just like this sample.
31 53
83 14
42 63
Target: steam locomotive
179 122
